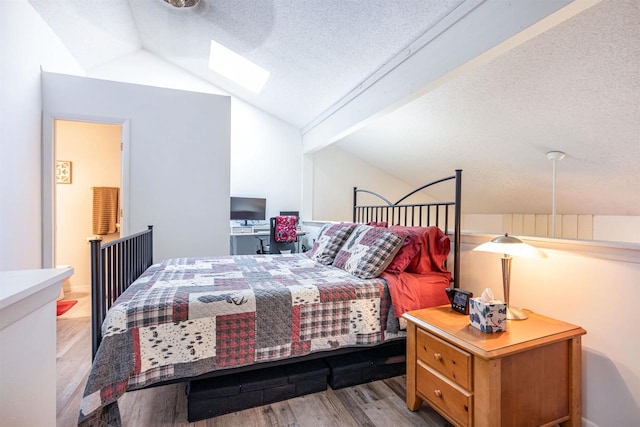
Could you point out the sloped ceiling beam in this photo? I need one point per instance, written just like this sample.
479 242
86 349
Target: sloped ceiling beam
475 33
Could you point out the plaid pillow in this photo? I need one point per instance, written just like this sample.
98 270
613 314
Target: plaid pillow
368 251
329 242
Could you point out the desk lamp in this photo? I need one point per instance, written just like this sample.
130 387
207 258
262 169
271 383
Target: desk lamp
508 246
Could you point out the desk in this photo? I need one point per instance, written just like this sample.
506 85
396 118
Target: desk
247 242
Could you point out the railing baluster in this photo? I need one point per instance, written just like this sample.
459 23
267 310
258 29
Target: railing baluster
109 272
114 266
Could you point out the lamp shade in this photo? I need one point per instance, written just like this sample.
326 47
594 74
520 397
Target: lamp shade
510 245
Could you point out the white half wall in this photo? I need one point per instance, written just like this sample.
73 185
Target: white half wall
616 228
179 157
605 228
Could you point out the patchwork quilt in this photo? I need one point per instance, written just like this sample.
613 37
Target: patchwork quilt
189 316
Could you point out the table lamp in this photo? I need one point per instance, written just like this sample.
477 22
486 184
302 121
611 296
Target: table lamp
509 246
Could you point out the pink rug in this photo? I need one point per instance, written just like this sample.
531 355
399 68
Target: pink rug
64 306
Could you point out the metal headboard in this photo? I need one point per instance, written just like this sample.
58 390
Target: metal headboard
417 214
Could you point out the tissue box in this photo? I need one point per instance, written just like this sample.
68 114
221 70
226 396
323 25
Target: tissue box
488 317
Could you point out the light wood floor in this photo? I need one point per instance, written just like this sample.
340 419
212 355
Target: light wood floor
82 308
380 403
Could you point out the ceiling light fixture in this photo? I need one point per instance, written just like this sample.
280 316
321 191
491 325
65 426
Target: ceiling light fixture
182 3
237 68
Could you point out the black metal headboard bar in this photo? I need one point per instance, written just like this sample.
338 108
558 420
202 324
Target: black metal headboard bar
115 266
438 181
405 214
457 215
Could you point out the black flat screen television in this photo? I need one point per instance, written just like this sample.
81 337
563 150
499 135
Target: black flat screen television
248 209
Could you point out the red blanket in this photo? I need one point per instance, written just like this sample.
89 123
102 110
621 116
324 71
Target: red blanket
422 282
411 291
434 249
285 229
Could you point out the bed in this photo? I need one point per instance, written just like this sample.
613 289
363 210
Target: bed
186 319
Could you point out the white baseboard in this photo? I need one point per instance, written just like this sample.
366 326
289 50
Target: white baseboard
587 423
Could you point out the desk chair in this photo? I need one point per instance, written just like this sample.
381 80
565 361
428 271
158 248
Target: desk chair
276 247
263 248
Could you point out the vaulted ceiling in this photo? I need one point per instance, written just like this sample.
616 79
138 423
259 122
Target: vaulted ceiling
574 87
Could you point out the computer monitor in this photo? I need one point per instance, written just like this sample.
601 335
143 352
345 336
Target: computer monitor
248 208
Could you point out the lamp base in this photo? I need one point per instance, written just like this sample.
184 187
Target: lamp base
514 313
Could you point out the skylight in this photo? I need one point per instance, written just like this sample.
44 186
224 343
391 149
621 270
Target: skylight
237 68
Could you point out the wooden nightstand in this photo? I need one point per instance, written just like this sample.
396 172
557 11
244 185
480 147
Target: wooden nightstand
529 375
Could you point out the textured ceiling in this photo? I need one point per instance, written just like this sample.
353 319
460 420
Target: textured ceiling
316 51
573 88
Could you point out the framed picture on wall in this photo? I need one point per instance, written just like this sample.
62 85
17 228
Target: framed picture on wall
63 172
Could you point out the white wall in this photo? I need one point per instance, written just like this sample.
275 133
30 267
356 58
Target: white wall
179 157
266 158
336 172
593 285
616 228
266 153
26 43
31 44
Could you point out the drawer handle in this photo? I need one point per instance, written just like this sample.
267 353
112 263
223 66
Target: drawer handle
438 393
437 356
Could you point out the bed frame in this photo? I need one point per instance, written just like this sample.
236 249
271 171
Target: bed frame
116 265
418 214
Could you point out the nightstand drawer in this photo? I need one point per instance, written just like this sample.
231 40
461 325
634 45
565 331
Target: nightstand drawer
450 401
450 361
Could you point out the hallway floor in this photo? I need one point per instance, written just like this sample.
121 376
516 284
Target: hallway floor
81 309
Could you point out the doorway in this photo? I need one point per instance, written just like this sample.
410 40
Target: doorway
87 157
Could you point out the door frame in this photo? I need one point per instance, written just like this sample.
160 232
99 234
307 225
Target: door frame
48 176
